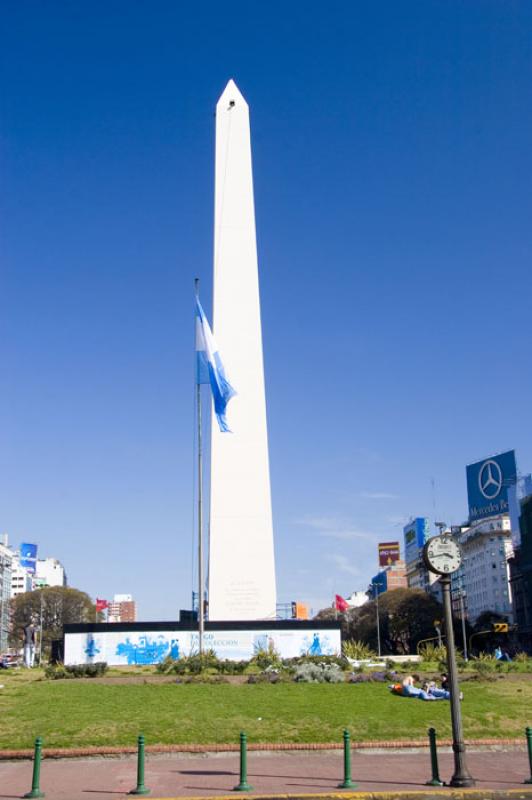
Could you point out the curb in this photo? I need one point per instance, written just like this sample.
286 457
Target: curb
88 752
446 794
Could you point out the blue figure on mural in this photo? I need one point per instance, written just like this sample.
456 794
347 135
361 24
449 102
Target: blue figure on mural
317 646
147 651
91 650
174 649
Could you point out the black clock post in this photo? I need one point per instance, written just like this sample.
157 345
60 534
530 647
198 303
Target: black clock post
461 776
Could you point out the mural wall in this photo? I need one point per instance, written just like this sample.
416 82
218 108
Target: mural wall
150 647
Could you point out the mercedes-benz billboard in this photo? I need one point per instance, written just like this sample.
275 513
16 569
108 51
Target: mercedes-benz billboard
487 485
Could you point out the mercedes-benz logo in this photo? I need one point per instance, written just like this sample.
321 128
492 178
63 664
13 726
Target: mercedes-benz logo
490 479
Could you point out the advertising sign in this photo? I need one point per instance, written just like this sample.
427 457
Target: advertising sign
28 557
416 534
388 553
487 485
151 647
379 584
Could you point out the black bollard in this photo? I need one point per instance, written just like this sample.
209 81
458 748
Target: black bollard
435 780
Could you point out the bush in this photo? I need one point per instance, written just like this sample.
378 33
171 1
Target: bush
318 673
292 663
523 658
484 664
433 652
358 651
208 663
56 672
266 658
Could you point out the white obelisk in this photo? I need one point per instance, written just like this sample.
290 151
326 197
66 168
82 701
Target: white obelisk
241 559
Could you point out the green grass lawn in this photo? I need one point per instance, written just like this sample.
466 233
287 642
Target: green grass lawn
87 712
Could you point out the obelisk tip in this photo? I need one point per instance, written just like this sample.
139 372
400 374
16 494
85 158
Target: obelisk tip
231 97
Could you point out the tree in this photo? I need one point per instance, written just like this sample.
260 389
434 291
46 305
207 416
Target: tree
345 618
406 617
60 605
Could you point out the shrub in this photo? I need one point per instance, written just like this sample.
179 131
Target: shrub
433 652
522 658
318 673
266 658
58 671
292 663
357 650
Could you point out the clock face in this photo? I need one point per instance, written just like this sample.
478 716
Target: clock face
442 555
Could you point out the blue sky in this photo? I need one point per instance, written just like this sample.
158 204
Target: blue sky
392 165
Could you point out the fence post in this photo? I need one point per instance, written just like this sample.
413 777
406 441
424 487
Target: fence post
347 783
529 747
243 786
140 788
35 788
435 780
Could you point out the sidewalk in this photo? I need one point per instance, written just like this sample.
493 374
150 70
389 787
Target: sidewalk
270 773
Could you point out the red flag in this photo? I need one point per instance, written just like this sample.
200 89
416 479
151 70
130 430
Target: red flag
340 604
101 604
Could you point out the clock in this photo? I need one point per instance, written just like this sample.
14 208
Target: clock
442 554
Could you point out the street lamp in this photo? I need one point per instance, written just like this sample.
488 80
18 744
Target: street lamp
375 587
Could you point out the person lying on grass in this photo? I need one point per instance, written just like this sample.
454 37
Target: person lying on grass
429 691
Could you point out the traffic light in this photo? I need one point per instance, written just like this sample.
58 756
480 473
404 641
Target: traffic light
500 627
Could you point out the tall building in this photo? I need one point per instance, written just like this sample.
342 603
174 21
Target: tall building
49 572
21 579
122 609
241 555
416 533
393 577
483 577
6 558
521 570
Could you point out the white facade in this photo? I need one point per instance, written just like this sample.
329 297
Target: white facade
49 572
241 556
21 580
357 599
484 574
6 559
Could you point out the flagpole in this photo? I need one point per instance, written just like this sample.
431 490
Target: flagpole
200 506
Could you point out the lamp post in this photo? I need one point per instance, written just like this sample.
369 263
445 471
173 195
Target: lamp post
462 616
375 587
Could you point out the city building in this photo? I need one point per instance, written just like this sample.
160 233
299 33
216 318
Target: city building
49 572
6 559
293 610
393 577
21 579
483 580
356 599
521 568
416 533
122 609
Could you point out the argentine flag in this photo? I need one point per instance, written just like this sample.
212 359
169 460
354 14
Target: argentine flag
209 368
